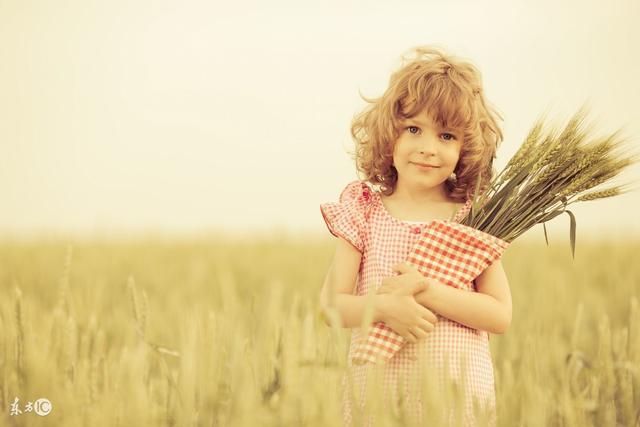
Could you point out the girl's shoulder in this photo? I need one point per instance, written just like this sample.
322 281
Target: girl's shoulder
358 198
360 191
349 217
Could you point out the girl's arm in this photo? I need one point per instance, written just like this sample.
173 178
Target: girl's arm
488 309
339 285
403 314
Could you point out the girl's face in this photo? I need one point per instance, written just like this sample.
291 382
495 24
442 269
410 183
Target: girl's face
425 154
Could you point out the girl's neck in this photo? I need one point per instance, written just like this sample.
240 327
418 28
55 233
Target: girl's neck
420 195
418 205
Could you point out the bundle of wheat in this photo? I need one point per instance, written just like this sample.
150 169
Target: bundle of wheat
547 174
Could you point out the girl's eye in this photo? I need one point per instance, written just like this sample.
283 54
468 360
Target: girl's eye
415 130
411 128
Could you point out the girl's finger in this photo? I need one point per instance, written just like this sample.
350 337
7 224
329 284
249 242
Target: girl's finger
390 282
427 326
428 315
417 287
402 268
418 332
410 337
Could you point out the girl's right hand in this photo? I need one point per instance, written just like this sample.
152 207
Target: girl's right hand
406 317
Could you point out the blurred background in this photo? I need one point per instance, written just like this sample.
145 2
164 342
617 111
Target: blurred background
121 118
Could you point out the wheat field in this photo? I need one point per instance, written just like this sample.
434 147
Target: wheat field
224 331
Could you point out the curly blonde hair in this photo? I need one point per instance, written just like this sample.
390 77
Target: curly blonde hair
451 92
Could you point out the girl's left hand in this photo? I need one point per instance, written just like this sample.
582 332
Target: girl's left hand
409 281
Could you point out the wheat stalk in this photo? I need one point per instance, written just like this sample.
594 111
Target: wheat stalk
19 349
610 192
140 314
97 362
139 307
70 348
563 154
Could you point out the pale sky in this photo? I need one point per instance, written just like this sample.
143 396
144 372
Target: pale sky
192 116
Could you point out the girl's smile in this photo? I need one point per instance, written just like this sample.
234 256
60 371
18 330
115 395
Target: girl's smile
424 166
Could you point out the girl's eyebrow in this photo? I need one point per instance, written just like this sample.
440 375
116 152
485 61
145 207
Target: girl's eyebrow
421 123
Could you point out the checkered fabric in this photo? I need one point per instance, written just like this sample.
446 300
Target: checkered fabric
449 252
436 246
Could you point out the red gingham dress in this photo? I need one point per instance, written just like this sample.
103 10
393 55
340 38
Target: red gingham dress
384 241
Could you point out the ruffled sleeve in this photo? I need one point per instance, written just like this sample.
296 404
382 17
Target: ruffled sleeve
348 217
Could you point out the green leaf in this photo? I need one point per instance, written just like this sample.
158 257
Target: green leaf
572 234
546 239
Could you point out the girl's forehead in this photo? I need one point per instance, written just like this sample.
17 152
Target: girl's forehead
426 119
426 113
422 119
446 109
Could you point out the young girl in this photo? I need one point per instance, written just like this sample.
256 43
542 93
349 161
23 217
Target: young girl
422 148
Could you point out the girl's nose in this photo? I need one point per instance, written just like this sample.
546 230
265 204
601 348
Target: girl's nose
427 145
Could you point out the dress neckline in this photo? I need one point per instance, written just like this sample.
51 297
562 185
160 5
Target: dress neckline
456 217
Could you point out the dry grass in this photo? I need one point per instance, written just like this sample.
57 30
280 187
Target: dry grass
229 333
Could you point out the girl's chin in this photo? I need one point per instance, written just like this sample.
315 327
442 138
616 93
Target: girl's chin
430 177
426 183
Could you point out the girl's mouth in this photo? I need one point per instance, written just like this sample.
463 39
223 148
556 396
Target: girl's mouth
424 166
